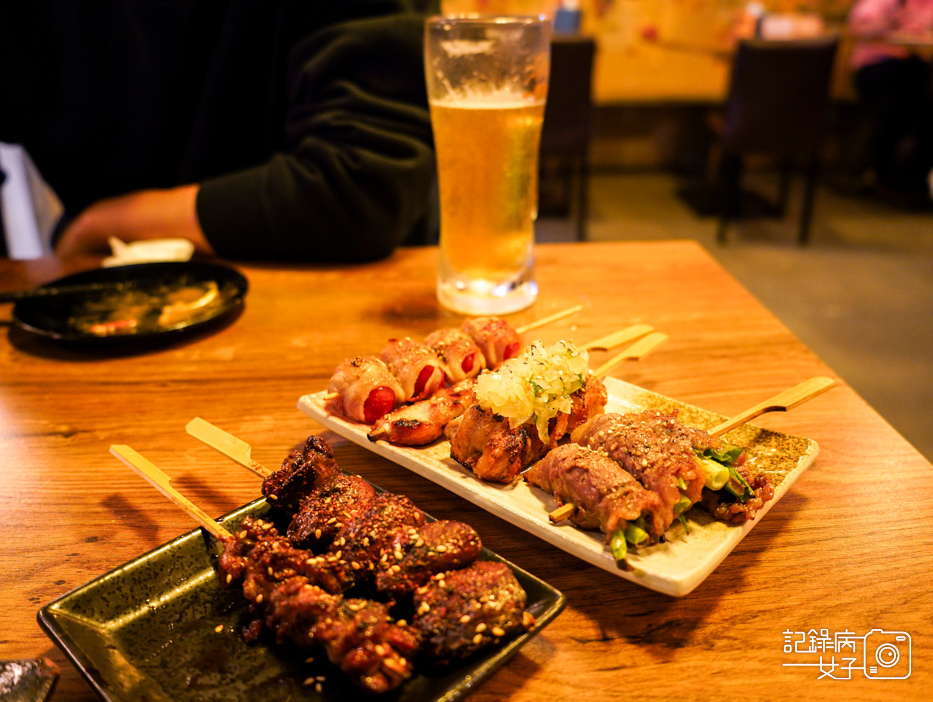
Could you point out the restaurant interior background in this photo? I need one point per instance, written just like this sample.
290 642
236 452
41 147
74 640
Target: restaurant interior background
860 294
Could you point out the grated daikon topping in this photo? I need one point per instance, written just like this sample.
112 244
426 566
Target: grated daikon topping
536 385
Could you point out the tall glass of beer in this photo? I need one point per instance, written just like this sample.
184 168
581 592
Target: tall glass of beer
487 81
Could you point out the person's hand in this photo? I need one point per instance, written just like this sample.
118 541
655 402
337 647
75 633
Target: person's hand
147 214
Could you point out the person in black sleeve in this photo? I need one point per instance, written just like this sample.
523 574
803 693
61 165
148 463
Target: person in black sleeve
288 130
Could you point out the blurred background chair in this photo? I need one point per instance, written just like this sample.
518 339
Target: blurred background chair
777 106
568 129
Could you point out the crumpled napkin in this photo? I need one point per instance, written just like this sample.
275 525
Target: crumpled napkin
148 250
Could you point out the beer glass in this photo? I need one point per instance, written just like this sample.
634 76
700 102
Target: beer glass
487 81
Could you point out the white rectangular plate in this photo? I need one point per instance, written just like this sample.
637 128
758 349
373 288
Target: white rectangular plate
674 567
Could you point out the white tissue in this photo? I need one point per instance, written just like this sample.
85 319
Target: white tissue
148 250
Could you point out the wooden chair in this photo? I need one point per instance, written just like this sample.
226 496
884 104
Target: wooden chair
777 106
568 119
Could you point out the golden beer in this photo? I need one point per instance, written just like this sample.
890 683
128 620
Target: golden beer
487 157
487 80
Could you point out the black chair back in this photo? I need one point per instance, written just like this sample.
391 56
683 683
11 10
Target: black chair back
568 119
779 96
568 114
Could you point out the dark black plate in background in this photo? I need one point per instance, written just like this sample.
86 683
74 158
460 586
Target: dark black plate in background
147 630
64 317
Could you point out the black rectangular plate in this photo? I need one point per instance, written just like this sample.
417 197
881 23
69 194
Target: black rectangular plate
148 631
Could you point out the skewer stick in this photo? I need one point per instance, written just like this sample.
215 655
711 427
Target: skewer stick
781 402
547 320
636 351
227 444
610 341
162 483
561 513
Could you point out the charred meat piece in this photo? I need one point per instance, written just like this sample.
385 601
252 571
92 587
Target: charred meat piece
359 635
418 554
364 389
361 638
462 358
259 549
416 367
587 402
364 542
486 444
423 422
301 471
724 508
327 508
656 449
604 496
496 339
464 611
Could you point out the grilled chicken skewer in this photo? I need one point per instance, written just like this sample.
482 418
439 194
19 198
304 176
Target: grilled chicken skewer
423 422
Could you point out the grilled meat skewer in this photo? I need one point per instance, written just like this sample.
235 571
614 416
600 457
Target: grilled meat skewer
497 340
423 422
364 389
604 496
416 555
460 612
327 508
462 358
358 635
416 367
301 472
654 448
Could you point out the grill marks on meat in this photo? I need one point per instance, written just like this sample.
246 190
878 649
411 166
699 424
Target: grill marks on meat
462 358
485 443
653 447
415 555
301 471
416 367
423 422
365 389
328 508
460 612
604 496
496 339
359 635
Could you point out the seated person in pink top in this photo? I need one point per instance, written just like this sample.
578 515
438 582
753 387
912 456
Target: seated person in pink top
893 81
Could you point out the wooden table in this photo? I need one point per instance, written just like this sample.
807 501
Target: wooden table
848 549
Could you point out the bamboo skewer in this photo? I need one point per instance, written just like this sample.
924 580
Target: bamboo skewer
162 483
547 320
227 444
782 402
610 341
636 351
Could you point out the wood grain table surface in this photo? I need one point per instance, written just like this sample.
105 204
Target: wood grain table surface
848 549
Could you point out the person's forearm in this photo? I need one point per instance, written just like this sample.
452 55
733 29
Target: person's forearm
147 214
